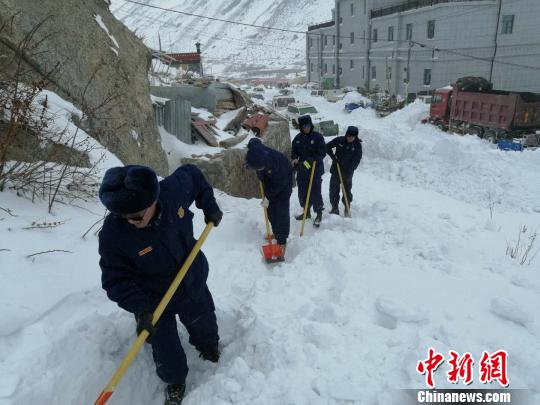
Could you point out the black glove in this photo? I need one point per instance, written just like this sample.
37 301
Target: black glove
144 322
214 216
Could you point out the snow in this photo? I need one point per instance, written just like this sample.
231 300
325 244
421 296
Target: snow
227 117
229 49
102 25
355 97
345 319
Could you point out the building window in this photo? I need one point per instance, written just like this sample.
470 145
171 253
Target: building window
364 36
365 8
340 71
340 45
363 71
325 68
340 20
431 29
375 34
352 37
333 69
389 72
352 9
351 63
427 77
333 40
374 72
325 40
391 33
409 32
310 42
507 24
311 66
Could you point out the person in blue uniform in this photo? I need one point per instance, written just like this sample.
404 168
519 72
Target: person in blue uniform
144 241
348 153
274 170
309 147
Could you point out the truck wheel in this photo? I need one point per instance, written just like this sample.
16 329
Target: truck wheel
490 136
476 131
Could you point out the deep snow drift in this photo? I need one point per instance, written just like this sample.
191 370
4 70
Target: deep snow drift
344 320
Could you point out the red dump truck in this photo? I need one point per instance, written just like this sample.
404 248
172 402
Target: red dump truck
490 114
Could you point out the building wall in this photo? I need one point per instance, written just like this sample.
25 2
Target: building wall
462 29
522 47
321 52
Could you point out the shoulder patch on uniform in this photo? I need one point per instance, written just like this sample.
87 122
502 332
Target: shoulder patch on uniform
181 212
145 251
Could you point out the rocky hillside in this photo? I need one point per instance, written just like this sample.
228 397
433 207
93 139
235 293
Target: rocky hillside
101 67
229 48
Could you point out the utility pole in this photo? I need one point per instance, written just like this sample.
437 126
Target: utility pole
387 75
496 39
338 42
408 72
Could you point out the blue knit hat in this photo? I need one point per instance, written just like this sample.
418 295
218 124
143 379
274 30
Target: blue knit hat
305 120
353 131
129 189
256 155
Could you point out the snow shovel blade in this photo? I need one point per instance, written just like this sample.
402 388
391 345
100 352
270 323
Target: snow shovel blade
272 253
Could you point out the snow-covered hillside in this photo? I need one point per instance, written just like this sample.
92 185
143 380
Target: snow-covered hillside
229 48
343 321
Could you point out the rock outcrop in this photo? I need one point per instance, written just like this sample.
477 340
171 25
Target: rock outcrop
102 69
226 170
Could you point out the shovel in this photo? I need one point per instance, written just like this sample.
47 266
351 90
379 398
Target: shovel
271 251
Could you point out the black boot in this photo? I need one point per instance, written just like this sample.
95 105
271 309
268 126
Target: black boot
334 210
318 219
301 216
174 394
211 354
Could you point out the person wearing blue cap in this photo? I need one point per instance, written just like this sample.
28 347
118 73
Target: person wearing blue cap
309 147
275 172
145 239
348 155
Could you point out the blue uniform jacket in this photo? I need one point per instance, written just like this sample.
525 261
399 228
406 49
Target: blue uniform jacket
138 265
309 147
348 154
276 175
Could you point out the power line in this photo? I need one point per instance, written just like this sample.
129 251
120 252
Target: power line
307 33
250 43
215 18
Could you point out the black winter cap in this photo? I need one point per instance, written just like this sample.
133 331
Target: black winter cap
256 155
129 189
352 131
305 120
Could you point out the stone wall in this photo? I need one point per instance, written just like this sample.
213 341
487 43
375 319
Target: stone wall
104 74
226 170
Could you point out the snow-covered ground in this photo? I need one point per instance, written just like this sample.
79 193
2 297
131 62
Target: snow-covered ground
344 320
229 49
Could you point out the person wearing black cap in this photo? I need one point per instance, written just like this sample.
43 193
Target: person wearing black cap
348 155
275 172
145 238
309 147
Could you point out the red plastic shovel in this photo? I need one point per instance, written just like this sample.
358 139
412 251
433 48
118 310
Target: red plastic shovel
272 252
